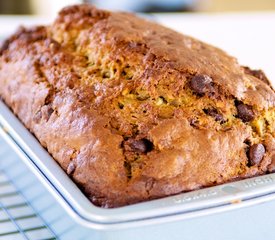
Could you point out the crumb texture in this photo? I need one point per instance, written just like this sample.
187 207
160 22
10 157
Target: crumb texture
133 111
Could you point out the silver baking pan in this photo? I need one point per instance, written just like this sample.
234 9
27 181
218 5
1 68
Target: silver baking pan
175 208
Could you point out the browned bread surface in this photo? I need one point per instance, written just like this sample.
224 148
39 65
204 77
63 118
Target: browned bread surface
134 111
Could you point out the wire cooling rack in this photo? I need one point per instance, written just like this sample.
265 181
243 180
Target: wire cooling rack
18 219
27 210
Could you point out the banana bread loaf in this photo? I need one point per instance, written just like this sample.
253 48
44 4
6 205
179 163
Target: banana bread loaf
133 111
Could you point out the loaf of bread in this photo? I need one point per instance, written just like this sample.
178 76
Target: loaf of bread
133 111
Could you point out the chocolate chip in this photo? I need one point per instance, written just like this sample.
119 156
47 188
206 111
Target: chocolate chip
120 105
141 146
258 74
214 113
201 84
245 112
4 46
247 142
256 153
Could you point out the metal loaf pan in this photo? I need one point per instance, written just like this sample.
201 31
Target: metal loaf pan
175 208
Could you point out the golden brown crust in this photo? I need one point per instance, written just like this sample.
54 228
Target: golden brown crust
134 111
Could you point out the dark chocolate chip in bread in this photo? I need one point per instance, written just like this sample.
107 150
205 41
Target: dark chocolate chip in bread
201 84
256 153
141 146
4 46
214 113
258 74
245 112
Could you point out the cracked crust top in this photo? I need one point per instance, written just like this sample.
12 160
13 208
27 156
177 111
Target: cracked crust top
134 111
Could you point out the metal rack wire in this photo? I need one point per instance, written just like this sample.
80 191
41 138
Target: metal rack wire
27 210
18 219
